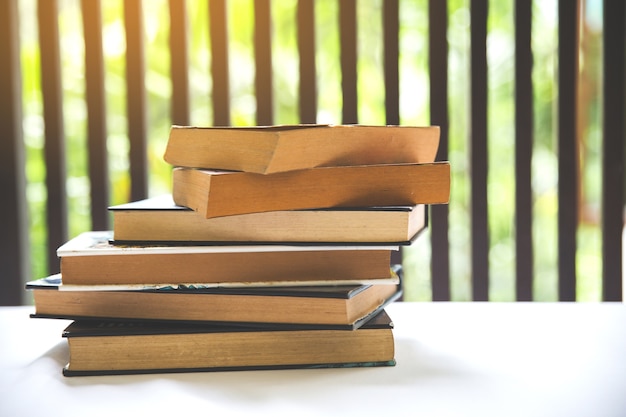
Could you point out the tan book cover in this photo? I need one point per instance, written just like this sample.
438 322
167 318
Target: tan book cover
270 149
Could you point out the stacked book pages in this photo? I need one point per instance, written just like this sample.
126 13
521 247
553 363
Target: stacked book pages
274 250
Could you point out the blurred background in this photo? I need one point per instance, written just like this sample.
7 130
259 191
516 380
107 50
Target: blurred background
414 110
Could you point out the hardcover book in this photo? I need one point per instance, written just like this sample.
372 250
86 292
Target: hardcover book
159 219
91 259
340 306
102 348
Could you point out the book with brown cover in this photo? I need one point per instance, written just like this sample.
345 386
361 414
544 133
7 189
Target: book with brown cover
226 193
106 348
270 149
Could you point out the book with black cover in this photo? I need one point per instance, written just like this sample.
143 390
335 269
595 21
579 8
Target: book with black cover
159 219
341 307
106 348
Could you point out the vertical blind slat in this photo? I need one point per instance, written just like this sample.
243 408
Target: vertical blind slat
614 132
523 151
478 151
348 47
306 51
438 71
14 209
136 105
263 63
219 62
391 50
54 145
179 62
567 148
96 113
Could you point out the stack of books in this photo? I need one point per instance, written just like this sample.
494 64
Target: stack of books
274 250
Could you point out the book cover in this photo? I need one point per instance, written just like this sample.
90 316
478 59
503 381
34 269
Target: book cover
271 149
227 193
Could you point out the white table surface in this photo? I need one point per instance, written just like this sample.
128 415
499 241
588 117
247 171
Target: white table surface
453 359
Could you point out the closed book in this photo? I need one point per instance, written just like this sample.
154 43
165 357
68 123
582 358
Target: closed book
103 348
270 149
159 219
337 306
227 193
91 259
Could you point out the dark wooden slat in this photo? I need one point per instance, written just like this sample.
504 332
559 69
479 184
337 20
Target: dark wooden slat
391 51
391 54
54 145
263 63
614 132
523 151
179 56
136 104
478 157
438 70
14 209
96 113
219 62
306 50
348 46
568 148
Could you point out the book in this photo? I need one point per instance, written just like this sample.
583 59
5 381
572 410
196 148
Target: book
126 347
338 306
225 193
159 219
271 149
91 259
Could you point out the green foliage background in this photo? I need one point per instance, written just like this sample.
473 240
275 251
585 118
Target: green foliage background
414 110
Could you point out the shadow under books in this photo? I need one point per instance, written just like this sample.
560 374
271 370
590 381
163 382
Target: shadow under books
415 362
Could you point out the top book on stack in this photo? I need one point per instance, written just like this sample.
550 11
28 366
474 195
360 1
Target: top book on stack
273 149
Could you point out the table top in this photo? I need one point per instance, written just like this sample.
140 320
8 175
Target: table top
453 359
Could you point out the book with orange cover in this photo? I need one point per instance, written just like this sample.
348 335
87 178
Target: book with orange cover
226 193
